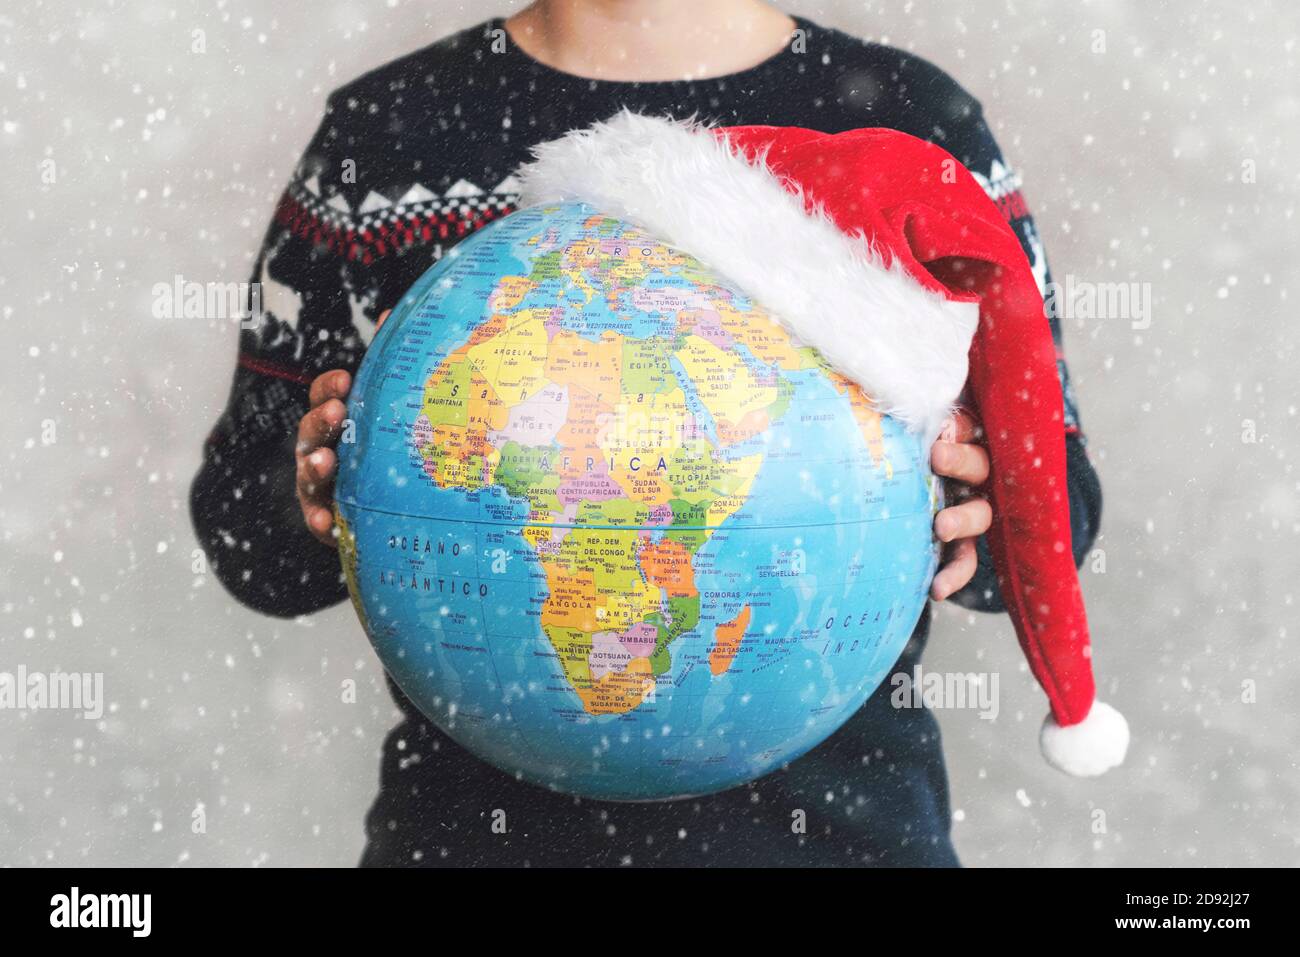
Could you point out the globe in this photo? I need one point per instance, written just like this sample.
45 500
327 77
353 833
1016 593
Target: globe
610 528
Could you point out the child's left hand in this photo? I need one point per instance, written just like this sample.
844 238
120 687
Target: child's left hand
958 456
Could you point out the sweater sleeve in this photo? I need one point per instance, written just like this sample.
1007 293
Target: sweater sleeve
243 502
973 143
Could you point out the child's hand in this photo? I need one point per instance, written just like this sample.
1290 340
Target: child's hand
958 456
318 432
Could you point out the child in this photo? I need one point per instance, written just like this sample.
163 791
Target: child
433 138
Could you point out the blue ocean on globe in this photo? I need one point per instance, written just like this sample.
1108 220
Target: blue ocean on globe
610 528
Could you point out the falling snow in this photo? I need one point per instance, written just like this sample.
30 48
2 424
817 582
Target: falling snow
1155 148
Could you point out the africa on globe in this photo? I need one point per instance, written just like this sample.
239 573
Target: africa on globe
610 528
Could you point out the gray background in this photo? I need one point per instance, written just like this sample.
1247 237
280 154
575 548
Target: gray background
169 162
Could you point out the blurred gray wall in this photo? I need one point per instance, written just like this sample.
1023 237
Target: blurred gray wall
1169 158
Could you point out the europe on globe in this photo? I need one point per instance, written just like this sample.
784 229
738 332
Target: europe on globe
610 528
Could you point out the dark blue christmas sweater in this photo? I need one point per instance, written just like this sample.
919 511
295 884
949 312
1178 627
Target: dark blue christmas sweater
410 159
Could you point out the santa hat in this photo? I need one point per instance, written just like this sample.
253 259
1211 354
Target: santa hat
883 252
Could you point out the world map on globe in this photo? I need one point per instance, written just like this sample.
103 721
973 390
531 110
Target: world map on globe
612 529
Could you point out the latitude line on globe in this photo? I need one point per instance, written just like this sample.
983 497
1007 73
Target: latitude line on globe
674 528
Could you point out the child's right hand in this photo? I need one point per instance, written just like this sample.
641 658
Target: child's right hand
318 433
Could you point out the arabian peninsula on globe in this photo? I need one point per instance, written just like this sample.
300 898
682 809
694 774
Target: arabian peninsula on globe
610 528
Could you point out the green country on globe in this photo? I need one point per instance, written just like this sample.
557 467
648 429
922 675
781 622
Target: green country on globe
610 528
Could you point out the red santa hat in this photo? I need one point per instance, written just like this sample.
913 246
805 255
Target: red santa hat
884 253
